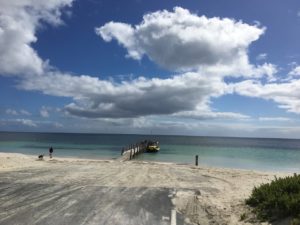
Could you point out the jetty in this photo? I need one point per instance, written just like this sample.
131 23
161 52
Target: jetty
131 151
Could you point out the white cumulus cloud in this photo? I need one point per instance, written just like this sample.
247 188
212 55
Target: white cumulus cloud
181 40
19 21
203 49
140 97
286 94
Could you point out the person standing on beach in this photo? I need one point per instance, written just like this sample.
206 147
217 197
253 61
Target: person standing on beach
50 152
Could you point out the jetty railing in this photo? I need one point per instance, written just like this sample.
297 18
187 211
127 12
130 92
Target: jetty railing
131 151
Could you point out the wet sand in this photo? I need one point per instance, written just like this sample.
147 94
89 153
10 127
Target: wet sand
79 191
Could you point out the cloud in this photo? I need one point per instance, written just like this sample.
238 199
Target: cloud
286 94
177 40
26 122
95 98
25 113
293 74
14 112
19 21
203 49
210 115
11 112
20 123
295 71
262 56
58 125
278 119
181 40
243 69
44 112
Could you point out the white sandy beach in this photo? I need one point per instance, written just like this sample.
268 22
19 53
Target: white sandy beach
203 195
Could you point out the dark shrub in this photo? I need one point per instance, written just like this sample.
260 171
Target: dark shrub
278 199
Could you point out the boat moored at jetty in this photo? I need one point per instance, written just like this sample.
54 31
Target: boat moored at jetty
152 146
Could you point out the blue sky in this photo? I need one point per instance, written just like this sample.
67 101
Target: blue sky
170 67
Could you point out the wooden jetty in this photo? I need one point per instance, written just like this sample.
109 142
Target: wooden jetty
131 151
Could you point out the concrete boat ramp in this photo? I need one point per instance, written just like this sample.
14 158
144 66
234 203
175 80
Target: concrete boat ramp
77 194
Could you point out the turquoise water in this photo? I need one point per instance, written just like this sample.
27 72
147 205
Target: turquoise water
244 153
230 157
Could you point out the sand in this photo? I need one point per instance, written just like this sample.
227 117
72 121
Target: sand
202 195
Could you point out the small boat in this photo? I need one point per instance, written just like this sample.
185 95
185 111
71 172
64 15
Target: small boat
152 146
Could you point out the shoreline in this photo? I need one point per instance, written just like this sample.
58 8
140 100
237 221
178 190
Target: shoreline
86 159
200 194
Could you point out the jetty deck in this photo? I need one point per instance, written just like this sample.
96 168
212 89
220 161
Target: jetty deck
131 151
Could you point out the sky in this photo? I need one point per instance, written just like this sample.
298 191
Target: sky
184 67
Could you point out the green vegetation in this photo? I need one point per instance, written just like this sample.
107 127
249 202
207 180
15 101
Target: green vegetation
278 199
295 221
243 217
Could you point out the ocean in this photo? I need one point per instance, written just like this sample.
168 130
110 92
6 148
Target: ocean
264 154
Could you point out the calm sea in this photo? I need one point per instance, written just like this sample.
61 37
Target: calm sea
244 153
